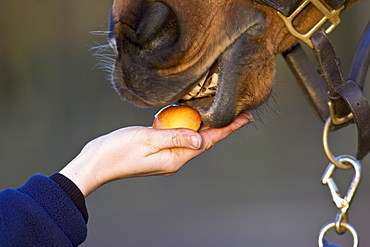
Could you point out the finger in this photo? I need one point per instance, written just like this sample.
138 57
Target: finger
212 136
176 138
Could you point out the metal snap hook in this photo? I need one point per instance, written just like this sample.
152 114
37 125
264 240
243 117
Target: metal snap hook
342 203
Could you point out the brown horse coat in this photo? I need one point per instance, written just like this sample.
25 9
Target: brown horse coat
165 49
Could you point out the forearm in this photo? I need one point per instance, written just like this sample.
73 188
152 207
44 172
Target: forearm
40 213
73 192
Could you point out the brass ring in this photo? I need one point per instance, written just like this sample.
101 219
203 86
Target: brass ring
327 151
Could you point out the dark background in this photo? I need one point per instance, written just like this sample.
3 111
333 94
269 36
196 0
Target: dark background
259 187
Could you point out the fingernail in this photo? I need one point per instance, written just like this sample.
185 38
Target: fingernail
195 141
248 118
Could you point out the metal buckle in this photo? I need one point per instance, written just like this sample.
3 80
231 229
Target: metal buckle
331 15
336 120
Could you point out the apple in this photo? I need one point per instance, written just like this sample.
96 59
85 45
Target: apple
177 116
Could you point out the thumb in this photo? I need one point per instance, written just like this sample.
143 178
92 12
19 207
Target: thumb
179 138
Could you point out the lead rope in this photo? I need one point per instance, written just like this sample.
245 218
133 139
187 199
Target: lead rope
344 162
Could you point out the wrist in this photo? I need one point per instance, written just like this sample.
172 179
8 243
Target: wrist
81 171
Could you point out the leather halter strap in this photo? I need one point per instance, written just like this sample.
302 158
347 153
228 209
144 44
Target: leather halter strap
347 98
287 7
347 101
337 98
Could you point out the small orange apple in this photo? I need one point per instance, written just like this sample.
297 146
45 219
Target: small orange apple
177 116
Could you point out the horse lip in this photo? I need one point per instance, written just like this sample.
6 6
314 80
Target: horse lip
215 111
220 110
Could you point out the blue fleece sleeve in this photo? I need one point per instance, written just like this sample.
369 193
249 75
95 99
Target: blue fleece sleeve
40 213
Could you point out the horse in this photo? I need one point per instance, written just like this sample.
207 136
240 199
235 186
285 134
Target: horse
217 56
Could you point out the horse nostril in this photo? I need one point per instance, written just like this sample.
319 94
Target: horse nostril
146 31
156 26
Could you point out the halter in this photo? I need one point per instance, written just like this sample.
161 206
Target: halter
336 101
347 103
287 7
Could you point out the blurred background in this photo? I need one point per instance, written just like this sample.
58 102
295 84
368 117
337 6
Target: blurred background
259 187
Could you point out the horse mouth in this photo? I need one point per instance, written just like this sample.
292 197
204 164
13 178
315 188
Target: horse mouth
203 94
221 92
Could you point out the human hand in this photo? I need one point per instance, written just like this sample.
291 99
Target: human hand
141 151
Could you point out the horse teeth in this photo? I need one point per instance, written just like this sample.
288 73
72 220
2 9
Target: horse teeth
214 81
209 87
193 93
187 97
196 90
203 88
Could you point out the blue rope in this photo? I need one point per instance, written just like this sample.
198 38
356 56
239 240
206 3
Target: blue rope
326 244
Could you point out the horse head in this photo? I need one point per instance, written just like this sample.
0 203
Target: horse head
217 56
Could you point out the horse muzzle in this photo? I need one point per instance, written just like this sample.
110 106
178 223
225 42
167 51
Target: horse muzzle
157 62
